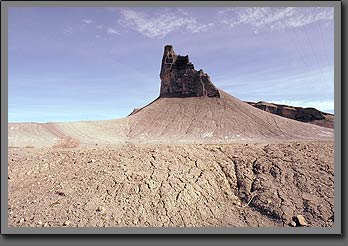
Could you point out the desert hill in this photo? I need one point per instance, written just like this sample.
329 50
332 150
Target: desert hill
212 119
190 109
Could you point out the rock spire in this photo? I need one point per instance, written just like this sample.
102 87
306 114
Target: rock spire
180 79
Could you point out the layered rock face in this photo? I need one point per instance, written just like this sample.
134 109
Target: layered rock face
296 113
309 115
180 79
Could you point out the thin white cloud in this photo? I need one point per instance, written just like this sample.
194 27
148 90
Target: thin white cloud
87 21
274 18
160 25
112 31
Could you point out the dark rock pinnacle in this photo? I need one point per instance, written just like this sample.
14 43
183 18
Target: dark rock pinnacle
180 79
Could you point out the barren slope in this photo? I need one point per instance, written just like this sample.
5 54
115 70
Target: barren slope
68 134
172 120
226 119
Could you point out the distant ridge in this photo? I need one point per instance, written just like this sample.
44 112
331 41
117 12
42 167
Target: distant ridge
309 115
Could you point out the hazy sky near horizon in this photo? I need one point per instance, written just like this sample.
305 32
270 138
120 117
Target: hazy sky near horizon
88 63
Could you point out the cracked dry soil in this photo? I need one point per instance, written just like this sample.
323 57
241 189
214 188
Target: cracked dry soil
220 185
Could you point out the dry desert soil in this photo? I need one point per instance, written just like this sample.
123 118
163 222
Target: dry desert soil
185 185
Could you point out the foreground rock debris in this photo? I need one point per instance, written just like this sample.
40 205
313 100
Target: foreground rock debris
196 156
173 185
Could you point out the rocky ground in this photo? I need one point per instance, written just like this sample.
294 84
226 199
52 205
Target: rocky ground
236 185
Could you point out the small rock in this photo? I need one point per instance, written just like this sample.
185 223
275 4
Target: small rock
293 223
39 223
66 223
301 220
21 221
101 209
237 203
46 225
60 193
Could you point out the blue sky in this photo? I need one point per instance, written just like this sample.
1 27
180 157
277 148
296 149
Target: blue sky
75 63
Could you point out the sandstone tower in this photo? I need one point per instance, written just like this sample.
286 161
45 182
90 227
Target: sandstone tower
180 79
